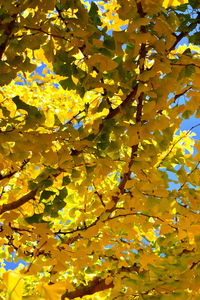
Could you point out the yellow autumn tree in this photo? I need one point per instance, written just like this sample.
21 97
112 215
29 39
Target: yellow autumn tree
99 187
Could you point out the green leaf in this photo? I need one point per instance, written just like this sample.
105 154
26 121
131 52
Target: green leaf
68 84
93 13
189 70
109 42
32 185
90 137
63 193
103 141
195 38
46 195
45 183
62 55
194 3
5 78
59 202
75 173
63 69
90 169
5 112
66 180
118 60
31 110
36 218
105 52
187 114
57 121
182 7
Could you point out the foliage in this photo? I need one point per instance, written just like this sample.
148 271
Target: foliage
100 190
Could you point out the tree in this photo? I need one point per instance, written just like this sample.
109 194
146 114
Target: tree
100 189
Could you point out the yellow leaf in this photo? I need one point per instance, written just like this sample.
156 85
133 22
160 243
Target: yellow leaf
133 133
92 231
14 284
148 107
54 291
108 280
150 235
104 63
167 3
130 183
195 229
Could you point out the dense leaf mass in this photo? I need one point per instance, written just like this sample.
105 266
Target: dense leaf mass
99 187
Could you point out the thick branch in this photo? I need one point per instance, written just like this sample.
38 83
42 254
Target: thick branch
134 148
9 175
140 9
96 285
138 118
113 112
18 203
183 34
178 39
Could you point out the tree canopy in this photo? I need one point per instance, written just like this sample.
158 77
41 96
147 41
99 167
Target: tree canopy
99 186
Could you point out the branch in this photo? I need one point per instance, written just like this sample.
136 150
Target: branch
184 65
47 33
140 9
61 18
19 202
138 118
97 285
194 169
140 214
134 148
181 94
35 255
182 137
25 198
94 286
184 33
194 264
178 39
10 174
114 111
100 197
78 229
